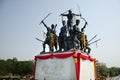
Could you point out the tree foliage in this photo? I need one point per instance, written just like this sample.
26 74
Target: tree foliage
103 71
16 67
113 71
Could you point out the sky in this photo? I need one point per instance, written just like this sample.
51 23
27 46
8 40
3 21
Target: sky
19 26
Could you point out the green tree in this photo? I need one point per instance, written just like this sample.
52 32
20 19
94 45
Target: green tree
113 71
23 67
16 67
2 67
102 70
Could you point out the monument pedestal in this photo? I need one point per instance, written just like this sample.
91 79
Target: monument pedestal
64 66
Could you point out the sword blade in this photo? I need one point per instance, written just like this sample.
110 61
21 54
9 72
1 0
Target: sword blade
45 18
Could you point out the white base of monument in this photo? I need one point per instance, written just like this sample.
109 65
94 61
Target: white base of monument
64 66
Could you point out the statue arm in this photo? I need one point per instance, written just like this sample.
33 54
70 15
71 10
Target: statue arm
76 14
45 25
55 26
64 14
84 25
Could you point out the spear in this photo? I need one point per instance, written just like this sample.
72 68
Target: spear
92 38
93 42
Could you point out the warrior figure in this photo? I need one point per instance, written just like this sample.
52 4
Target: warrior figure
70 16
83 41
76 34
50 37
62 37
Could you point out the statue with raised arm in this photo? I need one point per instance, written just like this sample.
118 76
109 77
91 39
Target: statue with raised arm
83 40
50 37
70 16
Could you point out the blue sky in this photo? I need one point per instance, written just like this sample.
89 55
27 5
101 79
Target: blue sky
19 26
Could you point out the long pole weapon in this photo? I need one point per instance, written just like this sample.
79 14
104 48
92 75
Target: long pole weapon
94 42
45 18
39 40
93 38
80 13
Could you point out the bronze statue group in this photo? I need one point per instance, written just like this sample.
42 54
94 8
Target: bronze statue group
71 37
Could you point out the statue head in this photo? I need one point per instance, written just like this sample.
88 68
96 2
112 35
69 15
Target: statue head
77 22
70 11
63 22
52 26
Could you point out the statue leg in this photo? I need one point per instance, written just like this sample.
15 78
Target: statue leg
81 45
65 45
88 50
60 41
56 42
44 47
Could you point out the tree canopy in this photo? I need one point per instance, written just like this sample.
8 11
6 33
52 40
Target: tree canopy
16 67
